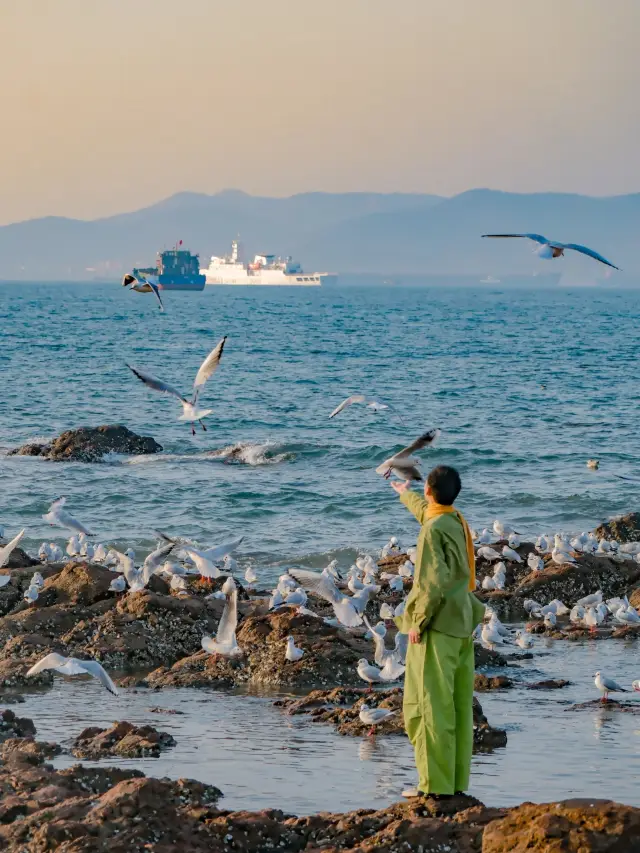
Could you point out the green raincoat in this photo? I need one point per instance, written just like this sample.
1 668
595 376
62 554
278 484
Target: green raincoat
438 687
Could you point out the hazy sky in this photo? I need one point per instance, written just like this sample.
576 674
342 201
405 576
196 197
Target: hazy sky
108 105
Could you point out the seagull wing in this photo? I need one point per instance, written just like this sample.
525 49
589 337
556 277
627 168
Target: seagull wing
156 384
612 685
221 551
354 398
5 552
319 584
208 367
425 440
97 671
156 292
68 520
226 633
586 251
57 504
128 279
51 661
126 566
537 238
154 561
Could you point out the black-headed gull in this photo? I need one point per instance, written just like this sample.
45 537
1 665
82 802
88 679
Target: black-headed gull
7 550
74 666
607 685
324 587
374 716
375 405
225 643
191 413
402 463
58 515
549 249
293 653
143 284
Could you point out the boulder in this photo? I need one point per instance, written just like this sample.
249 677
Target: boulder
624 528
90 444
482 683
341 708
330 656
571 826
77 583
122 739
15 727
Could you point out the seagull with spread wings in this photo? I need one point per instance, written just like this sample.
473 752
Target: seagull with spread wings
143 284
323 586
74 666
190 409
225 643
403 464
549 249
58 515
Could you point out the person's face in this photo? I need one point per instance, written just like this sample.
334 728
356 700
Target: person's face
427 493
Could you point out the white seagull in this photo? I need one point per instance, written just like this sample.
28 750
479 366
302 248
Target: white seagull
74 666
293 653
373 716
403 464
6 551
549 249
607 685
58 515
143 284
375 405
225 643
325 588
191 413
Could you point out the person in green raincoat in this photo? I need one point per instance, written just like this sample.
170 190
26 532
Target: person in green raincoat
440 616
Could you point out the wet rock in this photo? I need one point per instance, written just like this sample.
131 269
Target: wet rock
634 597
77 583
624 528
122 739
609 705
330 656
90 444
341 706
485 657
19 559
15 727
548 684
158 710
483 683
572 826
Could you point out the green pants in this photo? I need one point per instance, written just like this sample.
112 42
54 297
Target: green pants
438 710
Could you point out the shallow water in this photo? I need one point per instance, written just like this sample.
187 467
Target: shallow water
260 757
471 361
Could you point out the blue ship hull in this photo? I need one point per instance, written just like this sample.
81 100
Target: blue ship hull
182 282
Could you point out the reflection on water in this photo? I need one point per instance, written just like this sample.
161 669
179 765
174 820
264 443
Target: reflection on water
260 757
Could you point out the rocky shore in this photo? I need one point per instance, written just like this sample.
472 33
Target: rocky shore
113 810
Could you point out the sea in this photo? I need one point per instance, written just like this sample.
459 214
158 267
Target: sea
526 386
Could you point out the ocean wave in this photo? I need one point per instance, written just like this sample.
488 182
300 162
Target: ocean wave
253 453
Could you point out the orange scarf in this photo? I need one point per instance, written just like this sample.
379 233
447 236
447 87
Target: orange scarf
434 510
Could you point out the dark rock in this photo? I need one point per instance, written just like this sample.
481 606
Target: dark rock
548 684
483 683
90 444
171 711
609 705
19 559
78 583
485 657
572 826
122 739
625 528
341 706
15 727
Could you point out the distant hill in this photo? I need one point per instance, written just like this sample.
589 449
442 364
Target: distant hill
350 232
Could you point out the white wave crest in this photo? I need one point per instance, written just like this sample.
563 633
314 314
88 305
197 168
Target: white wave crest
252 453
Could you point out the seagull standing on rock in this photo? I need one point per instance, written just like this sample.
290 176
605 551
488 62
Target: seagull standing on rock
373 716
293 653
607 685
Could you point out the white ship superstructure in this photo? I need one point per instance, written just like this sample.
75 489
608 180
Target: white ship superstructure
264 270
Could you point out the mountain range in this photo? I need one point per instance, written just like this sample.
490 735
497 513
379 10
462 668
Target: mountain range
394 233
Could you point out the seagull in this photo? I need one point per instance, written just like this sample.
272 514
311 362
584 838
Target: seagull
44 553
386 611
396 583
577 614
406 569
118 584
402 463
607 685
203 563
190 411
7 550
502 530
627 615
549 249
491 636
373 716
379 628
58 515
250 576
636 686
375 405
37 580
298 597
293 653
535 563
488 553
31 594
590 600
325 588
99 553
524 639
276 600
488 583
511 555
225 643
368 673
74 666
143 284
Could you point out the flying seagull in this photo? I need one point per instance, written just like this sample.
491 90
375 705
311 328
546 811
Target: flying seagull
143 284
7 550
74 666
549 249
58 515
225 643
402 463
324 587
190 411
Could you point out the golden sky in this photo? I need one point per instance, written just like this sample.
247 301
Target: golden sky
109 105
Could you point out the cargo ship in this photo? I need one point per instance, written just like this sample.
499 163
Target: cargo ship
264 270
175 269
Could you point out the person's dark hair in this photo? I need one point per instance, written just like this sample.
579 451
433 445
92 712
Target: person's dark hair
445 484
